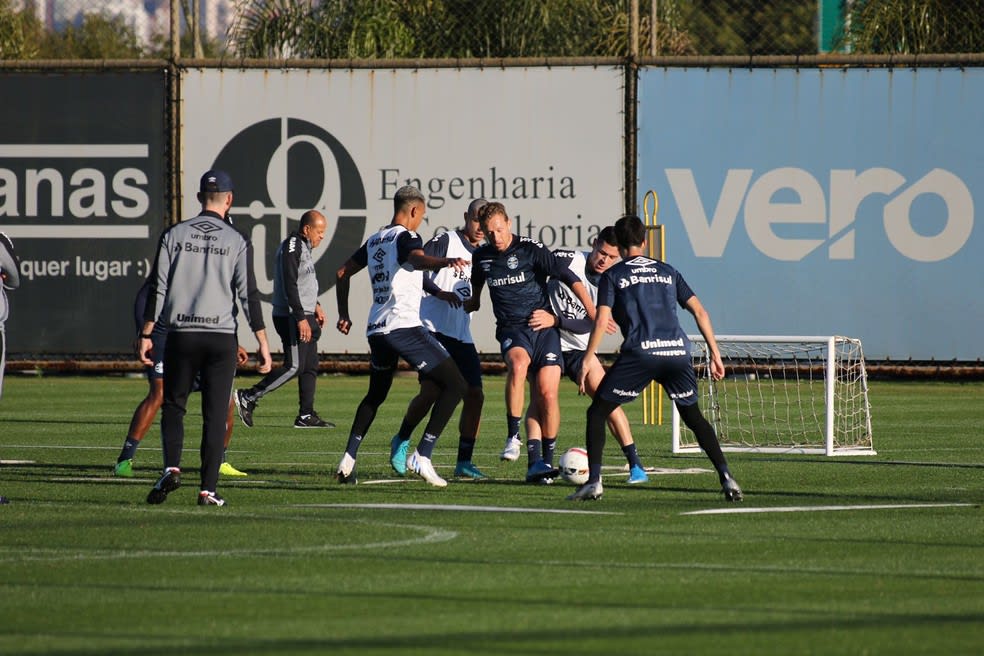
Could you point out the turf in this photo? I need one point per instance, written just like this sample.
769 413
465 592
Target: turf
297 564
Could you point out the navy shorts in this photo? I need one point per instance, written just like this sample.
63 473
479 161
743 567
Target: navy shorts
543 346
633 370
158 338
415 345
465 355
572 364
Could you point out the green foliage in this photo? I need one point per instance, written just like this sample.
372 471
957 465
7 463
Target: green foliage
20 32
914 27
99 36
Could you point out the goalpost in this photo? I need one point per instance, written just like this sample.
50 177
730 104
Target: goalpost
783 394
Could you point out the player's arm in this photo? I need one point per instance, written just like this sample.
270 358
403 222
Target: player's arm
249 299
290 264
474 302
155 298
696 308
351 267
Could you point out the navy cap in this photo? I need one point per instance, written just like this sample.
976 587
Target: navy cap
215 180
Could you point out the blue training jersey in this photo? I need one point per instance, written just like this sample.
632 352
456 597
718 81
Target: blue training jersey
643 294
517 278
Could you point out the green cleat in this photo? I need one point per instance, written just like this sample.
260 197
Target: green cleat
465 469
228 470
124 468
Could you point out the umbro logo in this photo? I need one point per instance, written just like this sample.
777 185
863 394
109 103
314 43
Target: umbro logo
205 227
379 255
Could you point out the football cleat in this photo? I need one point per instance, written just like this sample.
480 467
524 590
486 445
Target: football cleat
587 492
169 482
539 471
346 471
245 407
637 475
124 468
312 421
466 469
730 489
424 468
511 450
210 499
398 455
228 470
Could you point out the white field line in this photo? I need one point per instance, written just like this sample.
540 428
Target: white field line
789 509
429 535
453 507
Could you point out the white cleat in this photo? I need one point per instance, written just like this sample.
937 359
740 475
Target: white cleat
512 449
424 468
346 471
587 492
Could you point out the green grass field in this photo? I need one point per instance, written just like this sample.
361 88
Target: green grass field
297 564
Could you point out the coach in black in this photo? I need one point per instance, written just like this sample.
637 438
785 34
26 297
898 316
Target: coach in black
202 266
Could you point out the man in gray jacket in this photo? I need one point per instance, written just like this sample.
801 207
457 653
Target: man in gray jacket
10 278
298 318
202 266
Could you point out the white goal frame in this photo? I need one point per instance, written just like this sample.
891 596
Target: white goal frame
826 367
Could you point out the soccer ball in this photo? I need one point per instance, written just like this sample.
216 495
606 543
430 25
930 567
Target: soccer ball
574 466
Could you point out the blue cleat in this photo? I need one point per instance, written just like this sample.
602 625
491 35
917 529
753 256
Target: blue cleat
637 475
465 469
540 470
398 455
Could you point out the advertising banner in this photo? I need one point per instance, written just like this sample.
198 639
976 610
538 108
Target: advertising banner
824 202
546 142
82 198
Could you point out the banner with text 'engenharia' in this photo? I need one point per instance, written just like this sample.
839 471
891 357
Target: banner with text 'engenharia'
82 198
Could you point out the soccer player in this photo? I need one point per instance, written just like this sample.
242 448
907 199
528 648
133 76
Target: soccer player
9 279
146 410
641 294
203 264
396 260
516 271
442 312
298 318
571 318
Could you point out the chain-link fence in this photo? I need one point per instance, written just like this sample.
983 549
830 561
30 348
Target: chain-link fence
397 29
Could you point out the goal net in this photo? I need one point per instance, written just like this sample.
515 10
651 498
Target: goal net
783 395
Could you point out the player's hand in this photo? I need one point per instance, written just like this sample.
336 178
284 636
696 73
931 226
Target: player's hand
541 319
611 328
242 356
304 330
717 367
344 325
458 263
319 315
589 361
265 362
144 350
450 298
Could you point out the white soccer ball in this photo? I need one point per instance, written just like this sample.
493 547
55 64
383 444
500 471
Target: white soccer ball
574 466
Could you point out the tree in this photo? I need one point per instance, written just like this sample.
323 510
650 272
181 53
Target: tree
20 32
96 37
914 27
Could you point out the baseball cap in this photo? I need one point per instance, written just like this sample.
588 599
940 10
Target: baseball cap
215 180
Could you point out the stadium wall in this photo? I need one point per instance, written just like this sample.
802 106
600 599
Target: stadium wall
796 200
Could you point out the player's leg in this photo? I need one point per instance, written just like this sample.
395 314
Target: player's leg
382 367
307 377
247 399
417 410
680 383
539 449
618 423
517 359
226 468
143 418
466 357
182 359
217 373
